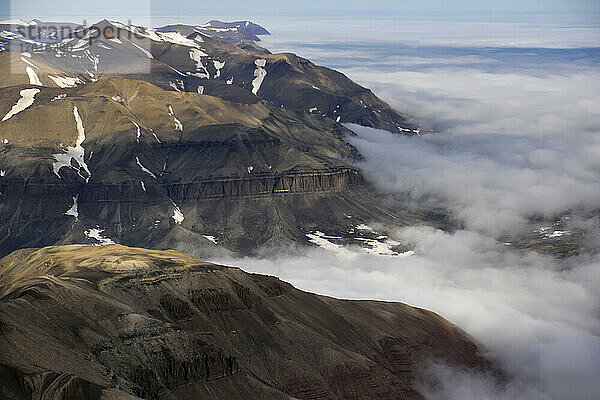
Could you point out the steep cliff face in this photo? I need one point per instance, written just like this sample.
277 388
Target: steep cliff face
81 322
125 156
266 185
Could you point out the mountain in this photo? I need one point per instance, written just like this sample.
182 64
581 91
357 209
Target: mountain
147 137
112 322
228 31
192 63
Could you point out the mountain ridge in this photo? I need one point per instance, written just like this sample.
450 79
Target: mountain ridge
159 139
84 322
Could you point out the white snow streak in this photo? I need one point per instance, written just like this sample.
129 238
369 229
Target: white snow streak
138 133
178 124
73 211
33 78
259 74
65 82
76 153
26 100
218 65
210 238
146 52
96 234
144 169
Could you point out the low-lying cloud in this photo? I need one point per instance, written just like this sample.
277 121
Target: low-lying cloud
493 183
518 137
538 319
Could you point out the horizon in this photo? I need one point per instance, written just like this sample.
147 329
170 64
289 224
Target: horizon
588 10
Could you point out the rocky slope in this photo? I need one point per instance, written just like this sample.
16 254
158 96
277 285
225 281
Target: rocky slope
163 137
188 58
157 168
111 322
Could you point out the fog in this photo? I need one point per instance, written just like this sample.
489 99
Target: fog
517 137
541 323
493 183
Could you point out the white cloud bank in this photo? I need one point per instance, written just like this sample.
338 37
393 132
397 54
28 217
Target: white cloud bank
512 145
493 183
538 319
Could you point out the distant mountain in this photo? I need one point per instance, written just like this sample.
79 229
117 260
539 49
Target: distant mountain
154 138
84 323
227 31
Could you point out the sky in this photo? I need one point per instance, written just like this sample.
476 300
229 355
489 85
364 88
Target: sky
140 9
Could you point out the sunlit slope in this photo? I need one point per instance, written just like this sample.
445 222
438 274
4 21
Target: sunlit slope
80 322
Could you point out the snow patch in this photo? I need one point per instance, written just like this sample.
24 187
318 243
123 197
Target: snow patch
73 211
259 75
16 22
557 234
26 100
210 239
65 82
75 153
218 65
196 55
175 38
364 227
177 214
144 169
320 239
178 124
33 78
60 96
383 248
373 246
96 234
